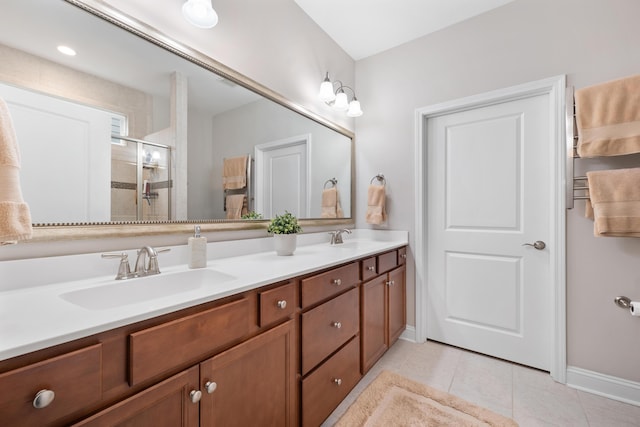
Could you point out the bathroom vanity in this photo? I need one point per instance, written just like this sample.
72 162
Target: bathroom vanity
281 343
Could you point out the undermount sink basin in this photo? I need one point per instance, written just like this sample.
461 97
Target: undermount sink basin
132 291
353 244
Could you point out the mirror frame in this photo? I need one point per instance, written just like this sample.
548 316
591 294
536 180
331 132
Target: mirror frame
92 230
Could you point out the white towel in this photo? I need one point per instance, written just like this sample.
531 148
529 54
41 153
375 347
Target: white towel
15 217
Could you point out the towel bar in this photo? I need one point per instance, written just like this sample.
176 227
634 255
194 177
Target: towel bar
380 178
333 181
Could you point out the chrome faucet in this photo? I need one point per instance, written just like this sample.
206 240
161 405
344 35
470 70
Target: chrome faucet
148 267
336 236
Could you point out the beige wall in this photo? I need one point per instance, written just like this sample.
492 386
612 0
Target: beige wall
31 72
590 41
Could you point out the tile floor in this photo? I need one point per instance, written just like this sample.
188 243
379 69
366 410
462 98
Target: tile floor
527 395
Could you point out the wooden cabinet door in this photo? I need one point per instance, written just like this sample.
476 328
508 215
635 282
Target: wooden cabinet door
374 330
396 304
251 384
167 404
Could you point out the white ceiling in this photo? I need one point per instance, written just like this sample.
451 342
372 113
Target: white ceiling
366 27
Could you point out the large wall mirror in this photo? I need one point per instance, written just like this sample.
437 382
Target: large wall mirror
138 132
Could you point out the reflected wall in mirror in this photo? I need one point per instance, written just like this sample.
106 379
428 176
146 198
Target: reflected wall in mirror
126 130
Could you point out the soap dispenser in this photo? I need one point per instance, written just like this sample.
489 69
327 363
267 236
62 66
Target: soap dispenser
197 250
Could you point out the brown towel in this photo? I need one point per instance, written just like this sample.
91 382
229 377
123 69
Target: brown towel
234 173
608 118
15 217
331 207
376 201
615 199
236 206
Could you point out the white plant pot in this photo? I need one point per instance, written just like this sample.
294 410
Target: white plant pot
285 244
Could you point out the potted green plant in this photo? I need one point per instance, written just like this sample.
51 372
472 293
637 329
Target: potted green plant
251 215
284 229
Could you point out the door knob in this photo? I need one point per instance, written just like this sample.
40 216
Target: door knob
538 244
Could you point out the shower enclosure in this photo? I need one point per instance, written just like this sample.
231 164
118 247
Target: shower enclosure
140 180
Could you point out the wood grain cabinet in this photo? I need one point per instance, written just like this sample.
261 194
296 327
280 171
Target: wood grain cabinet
171 403
285 354
252 383
329 341
383 309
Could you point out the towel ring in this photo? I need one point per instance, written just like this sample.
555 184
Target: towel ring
380 178
333 181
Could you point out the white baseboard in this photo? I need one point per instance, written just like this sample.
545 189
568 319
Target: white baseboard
604 385
409 333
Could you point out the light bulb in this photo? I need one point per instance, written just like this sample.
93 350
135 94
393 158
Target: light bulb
341 103
200 13
354 109
326 90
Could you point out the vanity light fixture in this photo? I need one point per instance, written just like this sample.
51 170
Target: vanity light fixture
200 13
338 99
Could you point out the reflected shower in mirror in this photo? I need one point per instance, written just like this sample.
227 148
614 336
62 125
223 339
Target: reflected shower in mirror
126 130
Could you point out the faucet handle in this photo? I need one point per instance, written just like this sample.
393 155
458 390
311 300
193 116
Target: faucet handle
154 268
124 269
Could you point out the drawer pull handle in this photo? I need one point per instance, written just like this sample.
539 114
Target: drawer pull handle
195 396
337 325
43 398
282 304
337 381
371 268
391 283
210 386
337 282
403 256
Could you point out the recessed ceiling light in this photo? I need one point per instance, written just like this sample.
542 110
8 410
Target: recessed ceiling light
66 50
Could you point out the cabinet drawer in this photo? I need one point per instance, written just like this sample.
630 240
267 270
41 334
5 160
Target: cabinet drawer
278 303
328 326
387 261
75 378
323 390
369 269
322 286
170 345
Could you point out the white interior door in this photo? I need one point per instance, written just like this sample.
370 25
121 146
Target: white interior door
488 193
53 132
282 177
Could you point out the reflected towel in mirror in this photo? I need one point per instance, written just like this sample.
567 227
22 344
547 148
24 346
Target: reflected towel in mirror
234 173
15 217
236 206
331 204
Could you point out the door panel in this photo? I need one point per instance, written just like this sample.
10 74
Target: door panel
488 193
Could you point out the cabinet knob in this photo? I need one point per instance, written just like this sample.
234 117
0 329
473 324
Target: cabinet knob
210 386
337 381
282 304
195 396
337 325
43 398
371 268
403 256
391 283
337 282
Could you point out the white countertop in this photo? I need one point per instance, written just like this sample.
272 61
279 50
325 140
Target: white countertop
33 315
